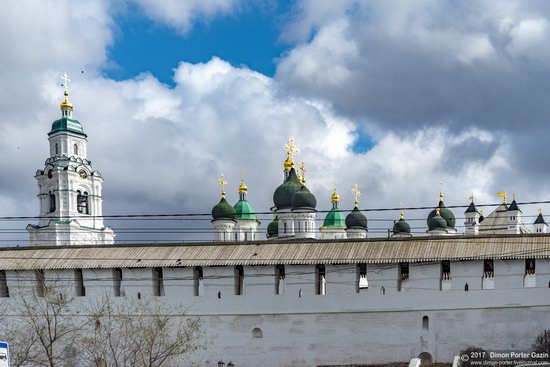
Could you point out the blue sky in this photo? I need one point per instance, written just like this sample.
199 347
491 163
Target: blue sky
250 37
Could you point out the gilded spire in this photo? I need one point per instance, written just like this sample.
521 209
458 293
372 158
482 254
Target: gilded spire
291 150
222 183
356 193
471 198
335 197
502 194
66 105
441 196
242 186
402 215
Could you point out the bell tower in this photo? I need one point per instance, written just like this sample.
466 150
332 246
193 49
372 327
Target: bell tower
69 190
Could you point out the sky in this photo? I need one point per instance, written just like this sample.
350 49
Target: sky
404 99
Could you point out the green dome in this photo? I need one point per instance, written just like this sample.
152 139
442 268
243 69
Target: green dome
356 220
304 199
67 125
335 218
273 228
282 198
445 213
243 210
437 222
223 210
401 226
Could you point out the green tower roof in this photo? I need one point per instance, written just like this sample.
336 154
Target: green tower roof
243 210
223 210
335 219
66 124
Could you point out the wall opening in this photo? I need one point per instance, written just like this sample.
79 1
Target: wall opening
425 323
530 267
239 280
40 283
488 268
56 149
75 149
403 275
320 280
257 333
139 295
4 290
362 282
80 290
52 202
425 358
158 282
279 279
117 282
466 288
445 270
197 281
82 202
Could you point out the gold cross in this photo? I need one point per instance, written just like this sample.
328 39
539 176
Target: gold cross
302 173
291 148
356 194
222 183
66 81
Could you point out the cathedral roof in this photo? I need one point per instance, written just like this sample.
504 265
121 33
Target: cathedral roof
282 197
334 219
273 228
243 210
540 219
303 199
356 220
446 213
66 124
223 210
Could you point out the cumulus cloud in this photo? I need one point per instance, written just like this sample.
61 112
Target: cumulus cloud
162 148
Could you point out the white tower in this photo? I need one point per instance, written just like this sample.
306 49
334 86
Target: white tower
303 209
223 217
69 190
247 224
471 219
514 218
356 222
540 225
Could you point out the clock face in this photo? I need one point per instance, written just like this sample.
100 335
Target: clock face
83 174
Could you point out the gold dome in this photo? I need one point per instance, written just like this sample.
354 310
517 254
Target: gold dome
242 187
289 163
66 105
335 197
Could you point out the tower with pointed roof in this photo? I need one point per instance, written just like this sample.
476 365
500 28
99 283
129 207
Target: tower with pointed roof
515 225
472 219
69 189
246 226
334 225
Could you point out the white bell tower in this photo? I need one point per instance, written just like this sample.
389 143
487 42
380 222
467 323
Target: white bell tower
69 190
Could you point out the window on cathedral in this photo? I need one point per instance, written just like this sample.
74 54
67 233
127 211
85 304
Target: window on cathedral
158 282
117 282
488 269
239 280
79 284
362 282
320 280
279 279
466 288
530 267
82 202
4 290
75 149
197 281
284 228
40 283
52 202
56 148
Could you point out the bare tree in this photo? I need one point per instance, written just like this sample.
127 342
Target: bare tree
542 343
139 333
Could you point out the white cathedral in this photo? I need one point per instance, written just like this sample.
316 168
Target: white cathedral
345 299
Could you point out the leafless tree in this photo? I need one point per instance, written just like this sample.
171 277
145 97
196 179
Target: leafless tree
542 343
139 333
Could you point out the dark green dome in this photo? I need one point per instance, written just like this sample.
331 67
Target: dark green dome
445 213
437 222
67 125
335 219
273 228
401 226
282 197
243 210
223 210
304 199
356 220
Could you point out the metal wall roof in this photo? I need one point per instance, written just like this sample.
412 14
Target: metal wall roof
278 252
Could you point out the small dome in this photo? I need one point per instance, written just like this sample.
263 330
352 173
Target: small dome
401 226
356 220
445 213
282 197
437 222
304 199
273 228
66 124
243 210
223 210
335 219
